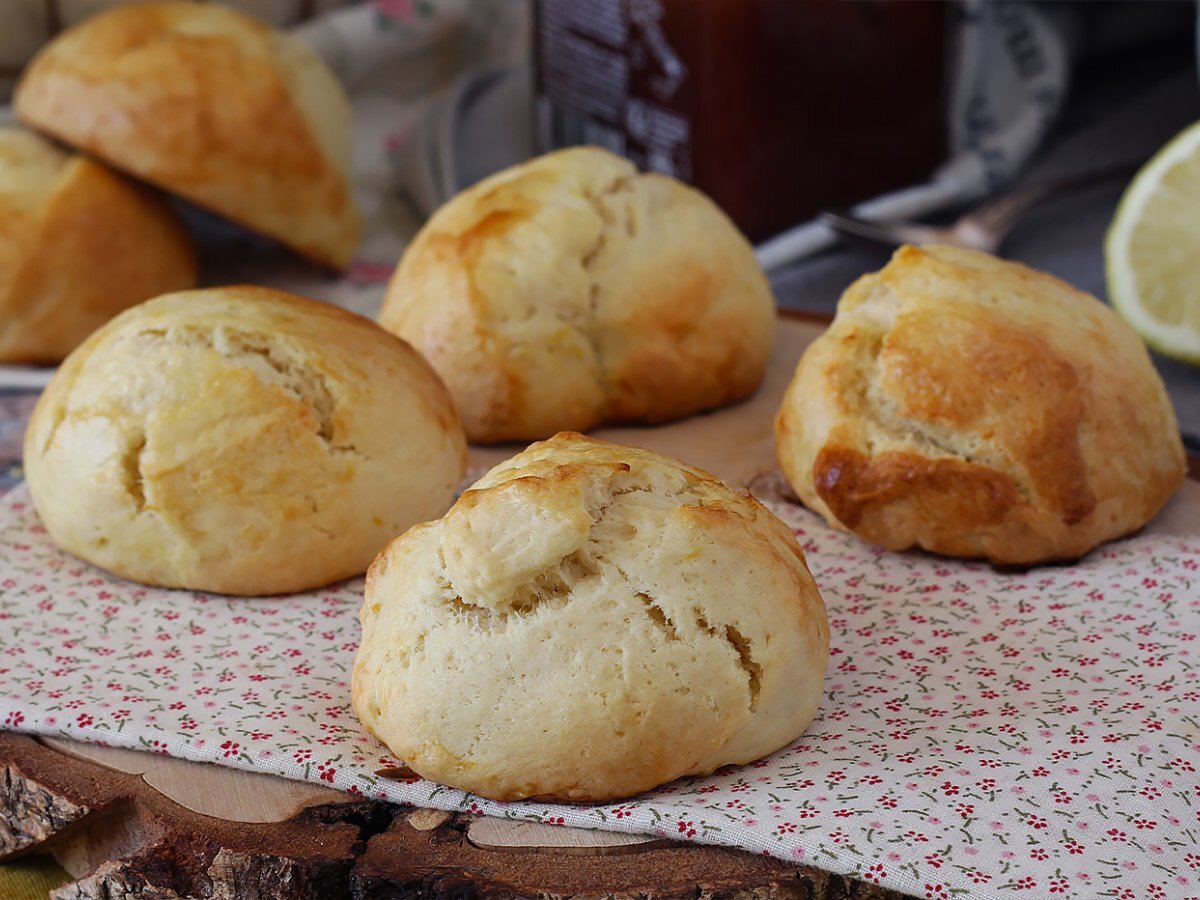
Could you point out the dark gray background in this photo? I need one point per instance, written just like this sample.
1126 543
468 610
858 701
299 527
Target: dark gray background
1124 104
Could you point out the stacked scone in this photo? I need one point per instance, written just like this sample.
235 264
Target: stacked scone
78 244
193 100
209 104
238 440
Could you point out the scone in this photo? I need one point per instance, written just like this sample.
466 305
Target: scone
240 440
589 621
208 103
978 408
78 244
570 291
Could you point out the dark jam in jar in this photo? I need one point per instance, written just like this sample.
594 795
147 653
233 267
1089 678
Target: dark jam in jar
774 108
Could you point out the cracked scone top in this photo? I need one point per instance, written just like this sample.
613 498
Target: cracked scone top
240 440
976 407
589 621
571 290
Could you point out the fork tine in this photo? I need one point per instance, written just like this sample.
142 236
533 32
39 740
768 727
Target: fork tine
890 233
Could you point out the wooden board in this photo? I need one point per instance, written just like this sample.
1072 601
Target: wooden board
122 838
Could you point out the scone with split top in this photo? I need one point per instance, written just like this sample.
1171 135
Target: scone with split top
976 407
240 440
589 621
572 290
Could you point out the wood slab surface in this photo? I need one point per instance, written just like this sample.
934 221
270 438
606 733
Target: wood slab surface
123 839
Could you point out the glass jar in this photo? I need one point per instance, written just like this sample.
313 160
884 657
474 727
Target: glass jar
774 108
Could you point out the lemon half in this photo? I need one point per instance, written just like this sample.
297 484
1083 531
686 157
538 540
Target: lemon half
1152 250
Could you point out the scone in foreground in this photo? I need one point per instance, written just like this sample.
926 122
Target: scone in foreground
240 440
976 407
78 244
570 291
212 105
589 621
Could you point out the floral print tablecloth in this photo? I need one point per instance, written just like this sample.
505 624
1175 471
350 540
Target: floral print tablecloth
984 733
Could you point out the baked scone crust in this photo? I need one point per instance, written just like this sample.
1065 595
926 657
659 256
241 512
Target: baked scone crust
208 103
572 290
240 440
589 621
78 244
976 407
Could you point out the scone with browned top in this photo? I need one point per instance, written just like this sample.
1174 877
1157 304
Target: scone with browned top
78 244
571 290
589 621
211 104
976 407
240 440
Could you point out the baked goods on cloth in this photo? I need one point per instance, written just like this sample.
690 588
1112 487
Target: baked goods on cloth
976 407
78 244
208 103
587 622
571 290
240 440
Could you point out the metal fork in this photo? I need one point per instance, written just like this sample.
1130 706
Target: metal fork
983 228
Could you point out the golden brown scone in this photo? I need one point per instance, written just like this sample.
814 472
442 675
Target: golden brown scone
589 621
78 244
208 103
570 291
976 407
240 440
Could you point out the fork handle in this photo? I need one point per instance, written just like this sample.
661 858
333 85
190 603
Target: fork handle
889 233
999 215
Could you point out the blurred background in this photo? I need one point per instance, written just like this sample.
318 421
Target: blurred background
777 109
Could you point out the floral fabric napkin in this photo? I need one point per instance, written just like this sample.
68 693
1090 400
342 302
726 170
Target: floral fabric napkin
984 733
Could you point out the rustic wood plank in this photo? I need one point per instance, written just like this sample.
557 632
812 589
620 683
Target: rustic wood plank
232 794
121 838
505 834
405 862
148 845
